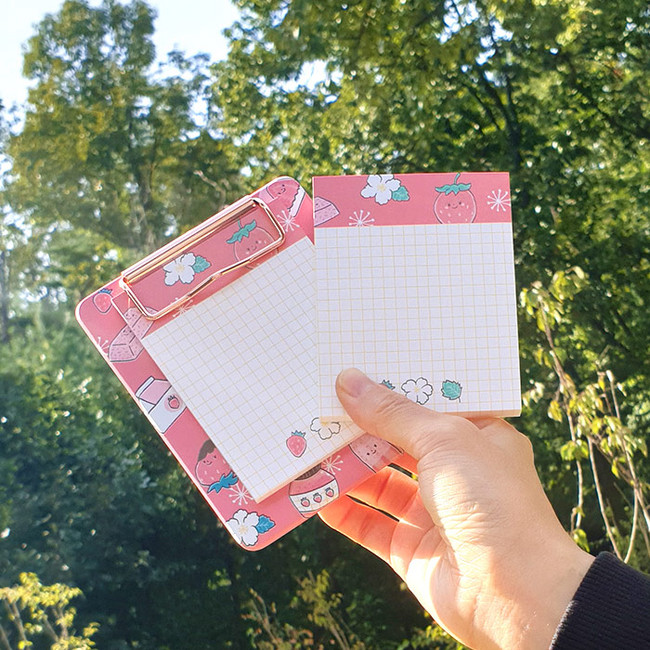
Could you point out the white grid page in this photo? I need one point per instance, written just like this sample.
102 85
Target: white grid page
434 303
244 361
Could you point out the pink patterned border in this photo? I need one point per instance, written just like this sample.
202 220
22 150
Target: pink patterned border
411 199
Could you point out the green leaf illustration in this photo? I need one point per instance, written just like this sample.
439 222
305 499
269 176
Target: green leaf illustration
388 384
264 524
451 389
454 187
244 231
400 194
200 264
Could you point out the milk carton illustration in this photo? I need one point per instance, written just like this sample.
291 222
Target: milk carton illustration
159 399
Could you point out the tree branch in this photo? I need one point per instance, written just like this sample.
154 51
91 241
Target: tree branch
4 639
601 503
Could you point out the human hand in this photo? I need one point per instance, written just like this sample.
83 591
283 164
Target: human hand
475 537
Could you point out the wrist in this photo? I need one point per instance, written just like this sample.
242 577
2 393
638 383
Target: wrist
551 585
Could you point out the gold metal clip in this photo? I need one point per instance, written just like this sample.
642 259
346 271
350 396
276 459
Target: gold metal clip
192 237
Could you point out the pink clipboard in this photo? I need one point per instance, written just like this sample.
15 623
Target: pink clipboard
120 316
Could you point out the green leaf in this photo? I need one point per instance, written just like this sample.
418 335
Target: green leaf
264 524
574 450
200 264
451 390
580 538
244 231
555 411
454 187
400 194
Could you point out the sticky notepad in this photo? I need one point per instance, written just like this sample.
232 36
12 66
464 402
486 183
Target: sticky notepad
244 362
416 287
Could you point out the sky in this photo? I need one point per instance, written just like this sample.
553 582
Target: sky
192 26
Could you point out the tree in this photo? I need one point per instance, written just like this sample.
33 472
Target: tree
114 156
112 147
556 93
32 611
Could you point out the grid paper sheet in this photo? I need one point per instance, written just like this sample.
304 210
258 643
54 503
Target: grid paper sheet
244 362
430 310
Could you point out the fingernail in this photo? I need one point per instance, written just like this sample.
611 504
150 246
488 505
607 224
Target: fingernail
353 382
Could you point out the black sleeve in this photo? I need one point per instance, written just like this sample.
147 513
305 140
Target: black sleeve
610 610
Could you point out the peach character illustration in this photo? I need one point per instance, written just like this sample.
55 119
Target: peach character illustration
249 239
373 452
313 490
211 469
455 203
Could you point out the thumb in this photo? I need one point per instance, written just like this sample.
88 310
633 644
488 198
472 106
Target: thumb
389 415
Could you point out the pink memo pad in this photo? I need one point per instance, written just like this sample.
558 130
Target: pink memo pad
174 369
415 286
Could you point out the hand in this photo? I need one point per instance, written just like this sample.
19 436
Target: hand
474 538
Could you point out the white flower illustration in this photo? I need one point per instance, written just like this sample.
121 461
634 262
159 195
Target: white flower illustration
325 431
242 526
180 269
498 200
417 390
360 218
381 187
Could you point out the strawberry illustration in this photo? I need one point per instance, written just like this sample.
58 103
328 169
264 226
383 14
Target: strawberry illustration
173 402
455 203
297 444
102 300
249 239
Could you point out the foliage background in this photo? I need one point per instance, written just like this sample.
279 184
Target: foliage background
113 155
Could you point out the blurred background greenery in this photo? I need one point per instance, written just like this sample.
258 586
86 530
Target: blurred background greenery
103 540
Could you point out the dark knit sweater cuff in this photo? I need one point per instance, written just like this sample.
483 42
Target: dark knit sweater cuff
611 609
